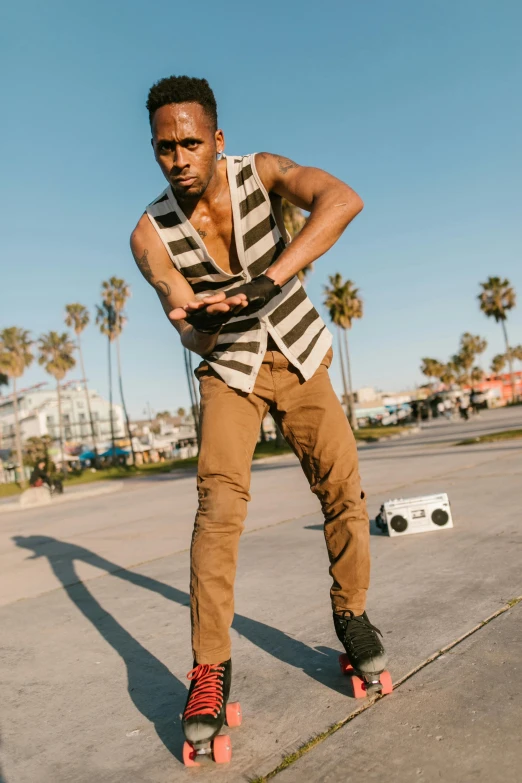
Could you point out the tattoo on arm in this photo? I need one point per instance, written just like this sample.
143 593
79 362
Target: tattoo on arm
162 287
285 164
201 233
144 266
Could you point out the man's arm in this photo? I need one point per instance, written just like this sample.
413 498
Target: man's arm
331 203
175 294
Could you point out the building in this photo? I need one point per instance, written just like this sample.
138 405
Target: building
38 413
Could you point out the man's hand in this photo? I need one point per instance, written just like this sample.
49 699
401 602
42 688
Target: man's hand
209 314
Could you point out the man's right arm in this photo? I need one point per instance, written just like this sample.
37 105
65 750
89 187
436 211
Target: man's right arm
173 290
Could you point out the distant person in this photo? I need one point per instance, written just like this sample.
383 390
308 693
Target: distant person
214 247
40 477
448 408
464 407
440 408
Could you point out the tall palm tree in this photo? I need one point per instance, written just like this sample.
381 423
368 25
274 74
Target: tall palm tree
15 357
106 320
193 392
496 299
57 358
116 292
344 305
294 221
77 317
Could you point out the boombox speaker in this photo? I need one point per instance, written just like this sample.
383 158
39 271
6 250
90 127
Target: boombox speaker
415 515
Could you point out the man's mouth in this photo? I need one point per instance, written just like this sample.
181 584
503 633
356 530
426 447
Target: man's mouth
184 182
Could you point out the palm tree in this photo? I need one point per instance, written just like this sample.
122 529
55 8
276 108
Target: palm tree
516 352
476 375
77 317
498 363
116 292
294 221
193 392
470 346
57 357
106 320
344 305
496 299
432 368
447 373
15 357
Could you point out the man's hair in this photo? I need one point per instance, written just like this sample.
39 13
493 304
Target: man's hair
182 89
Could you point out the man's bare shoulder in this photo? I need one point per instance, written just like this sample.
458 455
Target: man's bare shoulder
144 234
269 160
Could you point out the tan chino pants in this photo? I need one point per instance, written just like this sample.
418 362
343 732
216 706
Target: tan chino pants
315 426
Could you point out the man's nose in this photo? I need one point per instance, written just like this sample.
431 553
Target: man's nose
180 157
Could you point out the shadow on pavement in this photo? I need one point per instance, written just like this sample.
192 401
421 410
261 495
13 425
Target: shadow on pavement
374 530
154 690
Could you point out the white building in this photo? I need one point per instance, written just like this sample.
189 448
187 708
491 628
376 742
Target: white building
38 412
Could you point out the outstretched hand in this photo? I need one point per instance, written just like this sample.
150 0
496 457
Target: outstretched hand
217 303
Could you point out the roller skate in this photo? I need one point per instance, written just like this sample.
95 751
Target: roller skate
206 710
365 658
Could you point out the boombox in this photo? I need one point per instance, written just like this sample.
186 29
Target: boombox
415 515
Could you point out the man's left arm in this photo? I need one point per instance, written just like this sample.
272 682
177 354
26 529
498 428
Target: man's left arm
332 205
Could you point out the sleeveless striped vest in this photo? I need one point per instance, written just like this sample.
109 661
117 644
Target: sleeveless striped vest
290 318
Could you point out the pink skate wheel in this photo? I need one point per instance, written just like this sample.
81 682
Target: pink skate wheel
359 687
189 755
386 682
222 749
344 663
234 715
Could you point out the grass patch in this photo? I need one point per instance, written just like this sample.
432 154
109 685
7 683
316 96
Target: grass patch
8 490
374 433
492 436
268 449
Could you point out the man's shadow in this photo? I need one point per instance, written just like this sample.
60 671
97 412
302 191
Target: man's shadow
154 690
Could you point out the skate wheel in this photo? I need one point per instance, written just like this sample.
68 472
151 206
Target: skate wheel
234 715
189 755
344 663
359 687
222 749
386 682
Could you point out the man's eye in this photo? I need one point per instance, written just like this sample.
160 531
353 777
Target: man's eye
163 149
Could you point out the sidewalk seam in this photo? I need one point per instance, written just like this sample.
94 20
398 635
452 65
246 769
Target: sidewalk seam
312 743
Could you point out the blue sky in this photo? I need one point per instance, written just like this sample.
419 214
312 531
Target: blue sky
414 104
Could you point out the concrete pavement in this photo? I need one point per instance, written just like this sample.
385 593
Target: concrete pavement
95 640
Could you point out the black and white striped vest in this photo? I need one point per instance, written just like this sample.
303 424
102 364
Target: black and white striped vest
290 318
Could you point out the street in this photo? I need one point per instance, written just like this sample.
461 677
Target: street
95 626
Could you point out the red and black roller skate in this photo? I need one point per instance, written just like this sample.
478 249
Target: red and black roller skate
205 712
365 658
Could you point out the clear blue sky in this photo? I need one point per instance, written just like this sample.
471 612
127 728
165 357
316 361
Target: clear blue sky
415 104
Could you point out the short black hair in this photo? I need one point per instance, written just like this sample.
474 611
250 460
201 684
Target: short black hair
182 89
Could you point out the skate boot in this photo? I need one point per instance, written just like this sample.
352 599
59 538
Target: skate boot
365 658
205 713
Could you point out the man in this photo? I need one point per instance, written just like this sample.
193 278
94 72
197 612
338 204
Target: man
213 246
39 477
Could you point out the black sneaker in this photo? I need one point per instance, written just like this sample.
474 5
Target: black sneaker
359 638
205 710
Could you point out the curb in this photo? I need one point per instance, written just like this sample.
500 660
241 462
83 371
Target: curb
15 506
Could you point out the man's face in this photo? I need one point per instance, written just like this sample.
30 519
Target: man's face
185 146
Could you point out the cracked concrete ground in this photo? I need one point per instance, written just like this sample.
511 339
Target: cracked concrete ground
95 628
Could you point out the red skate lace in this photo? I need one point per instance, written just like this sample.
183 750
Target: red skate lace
207 696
